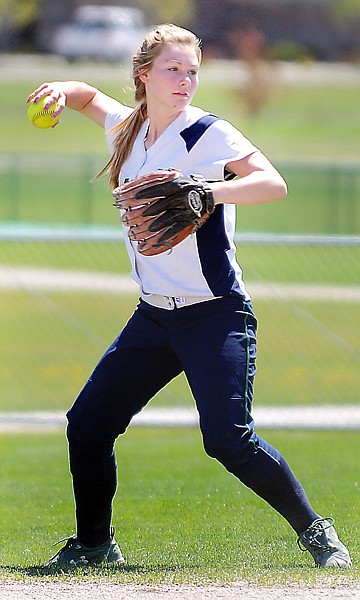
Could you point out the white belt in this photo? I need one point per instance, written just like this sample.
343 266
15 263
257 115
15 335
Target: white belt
171 302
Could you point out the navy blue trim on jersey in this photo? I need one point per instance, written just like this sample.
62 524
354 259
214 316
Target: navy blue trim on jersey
212 244
211 237
192 134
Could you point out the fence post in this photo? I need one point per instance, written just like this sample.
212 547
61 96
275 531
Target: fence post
350 202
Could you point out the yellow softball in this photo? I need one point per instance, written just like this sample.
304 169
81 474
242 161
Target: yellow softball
42 118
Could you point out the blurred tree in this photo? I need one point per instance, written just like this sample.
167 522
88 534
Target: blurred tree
19 12
15 17
346 8
250 46
347 14
171 11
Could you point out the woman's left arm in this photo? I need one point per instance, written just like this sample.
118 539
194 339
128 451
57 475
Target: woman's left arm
258 182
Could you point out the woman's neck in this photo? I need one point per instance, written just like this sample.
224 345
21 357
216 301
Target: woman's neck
157 125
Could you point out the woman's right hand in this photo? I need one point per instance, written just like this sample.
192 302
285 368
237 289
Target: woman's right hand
56 94
76 95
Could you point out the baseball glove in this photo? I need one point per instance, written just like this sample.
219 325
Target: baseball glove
162 208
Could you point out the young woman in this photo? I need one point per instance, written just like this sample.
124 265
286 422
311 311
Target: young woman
194 314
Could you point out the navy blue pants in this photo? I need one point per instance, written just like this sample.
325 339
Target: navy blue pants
214 344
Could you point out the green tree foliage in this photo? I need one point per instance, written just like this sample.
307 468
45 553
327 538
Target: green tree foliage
18 13
346 9
171 11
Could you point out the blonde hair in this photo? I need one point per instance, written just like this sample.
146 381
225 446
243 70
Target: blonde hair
143 60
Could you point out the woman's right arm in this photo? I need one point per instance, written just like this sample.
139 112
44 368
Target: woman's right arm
76 95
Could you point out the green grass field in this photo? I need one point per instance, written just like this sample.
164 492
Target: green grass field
301 129
53 339
179 516
299 122
46 178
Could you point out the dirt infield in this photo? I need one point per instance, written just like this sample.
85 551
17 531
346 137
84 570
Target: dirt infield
20 590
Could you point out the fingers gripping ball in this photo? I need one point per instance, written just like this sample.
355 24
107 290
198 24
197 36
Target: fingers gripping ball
162 208
42 118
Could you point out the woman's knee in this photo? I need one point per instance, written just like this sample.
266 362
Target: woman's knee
247 456
91 458
232 447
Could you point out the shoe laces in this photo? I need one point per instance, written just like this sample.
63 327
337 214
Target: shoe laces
314 535
69 541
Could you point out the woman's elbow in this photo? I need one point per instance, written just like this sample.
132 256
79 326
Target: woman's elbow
281 188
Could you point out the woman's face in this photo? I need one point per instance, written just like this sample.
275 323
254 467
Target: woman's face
173 78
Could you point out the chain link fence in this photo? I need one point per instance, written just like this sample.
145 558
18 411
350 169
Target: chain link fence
65 292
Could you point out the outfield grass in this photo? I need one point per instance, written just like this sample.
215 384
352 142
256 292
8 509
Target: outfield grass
51 340
179 516
297 122
301 129
311 264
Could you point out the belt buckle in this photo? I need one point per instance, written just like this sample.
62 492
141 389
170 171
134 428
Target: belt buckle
170 302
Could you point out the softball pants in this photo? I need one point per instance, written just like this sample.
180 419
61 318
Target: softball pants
214 343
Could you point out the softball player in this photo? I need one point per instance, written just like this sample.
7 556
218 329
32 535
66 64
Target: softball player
194 314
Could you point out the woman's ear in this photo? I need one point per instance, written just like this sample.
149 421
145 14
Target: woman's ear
143 76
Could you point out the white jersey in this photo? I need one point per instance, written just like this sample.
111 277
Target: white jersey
204 264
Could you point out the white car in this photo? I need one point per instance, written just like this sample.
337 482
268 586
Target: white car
101 32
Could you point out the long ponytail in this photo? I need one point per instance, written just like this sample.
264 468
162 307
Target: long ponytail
126 132
128 129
